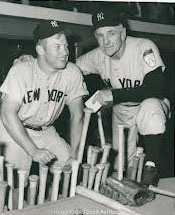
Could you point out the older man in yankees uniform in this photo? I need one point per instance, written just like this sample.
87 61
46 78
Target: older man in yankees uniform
34 94
133 70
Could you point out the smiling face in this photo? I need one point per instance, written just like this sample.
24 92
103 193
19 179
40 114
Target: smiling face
55 51
111 39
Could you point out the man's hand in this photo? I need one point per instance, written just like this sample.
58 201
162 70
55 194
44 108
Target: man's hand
104 97
43 156
23 58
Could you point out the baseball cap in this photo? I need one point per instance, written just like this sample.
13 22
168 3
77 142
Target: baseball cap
47 28
105 17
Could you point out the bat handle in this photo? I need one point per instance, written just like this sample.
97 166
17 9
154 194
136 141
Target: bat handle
135 166
161 191
98 177
10 167
43 170
3 186
87 116
105 173
33 181
75 167
22 176
92 172
121 152
106 150
67 173
1 168
100 128
56 180
89 154
94 156
86 168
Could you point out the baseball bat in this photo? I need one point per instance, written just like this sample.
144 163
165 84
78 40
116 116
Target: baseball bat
1 168
56 181
43 170
3 186
87 116
135 167
75 166
100 168
89 154
139 151
92 172
10 182
94 156
67 173
86 168
120 152
101 130
106 150
140 167
161 191
105 173
97 197
21 176
33 181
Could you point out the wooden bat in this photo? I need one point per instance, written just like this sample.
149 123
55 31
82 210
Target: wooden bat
22 177
98 177
57 170
86 168
139 151
92 172
105 173
140 167
97 197
106 150
101 130
161 191
1 168
120 152
87 116
10 182
75 167
89 154
94 156
135 166
33 182
43 170
67 169
3 186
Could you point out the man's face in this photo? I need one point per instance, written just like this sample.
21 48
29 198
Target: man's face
110 39
56 51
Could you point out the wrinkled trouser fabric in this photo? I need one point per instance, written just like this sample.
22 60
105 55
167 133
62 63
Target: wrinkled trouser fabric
148 118
47 139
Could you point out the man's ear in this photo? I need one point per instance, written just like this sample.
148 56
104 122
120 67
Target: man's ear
39 49
123 34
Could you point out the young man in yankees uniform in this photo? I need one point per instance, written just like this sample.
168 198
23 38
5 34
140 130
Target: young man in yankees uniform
133 69
34 94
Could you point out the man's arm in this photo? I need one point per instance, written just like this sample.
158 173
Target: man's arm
15 128
152 87
76 123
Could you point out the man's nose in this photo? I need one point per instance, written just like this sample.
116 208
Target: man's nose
106 40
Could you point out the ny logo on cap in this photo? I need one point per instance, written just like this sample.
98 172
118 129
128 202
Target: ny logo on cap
54 23
100 16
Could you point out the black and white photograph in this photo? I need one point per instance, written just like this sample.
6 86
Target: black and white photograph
87 107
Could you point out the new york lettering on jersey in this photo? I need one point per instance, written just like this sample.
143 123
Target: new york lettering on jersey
35 95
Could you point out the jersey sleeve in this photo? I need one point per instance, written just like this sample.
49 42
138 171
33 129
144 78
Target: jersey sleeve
14 85
150 57
76 86
88 63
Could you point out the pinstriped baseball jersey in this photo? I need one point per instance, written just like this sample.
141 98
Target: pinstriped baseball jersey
42 97
140 57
